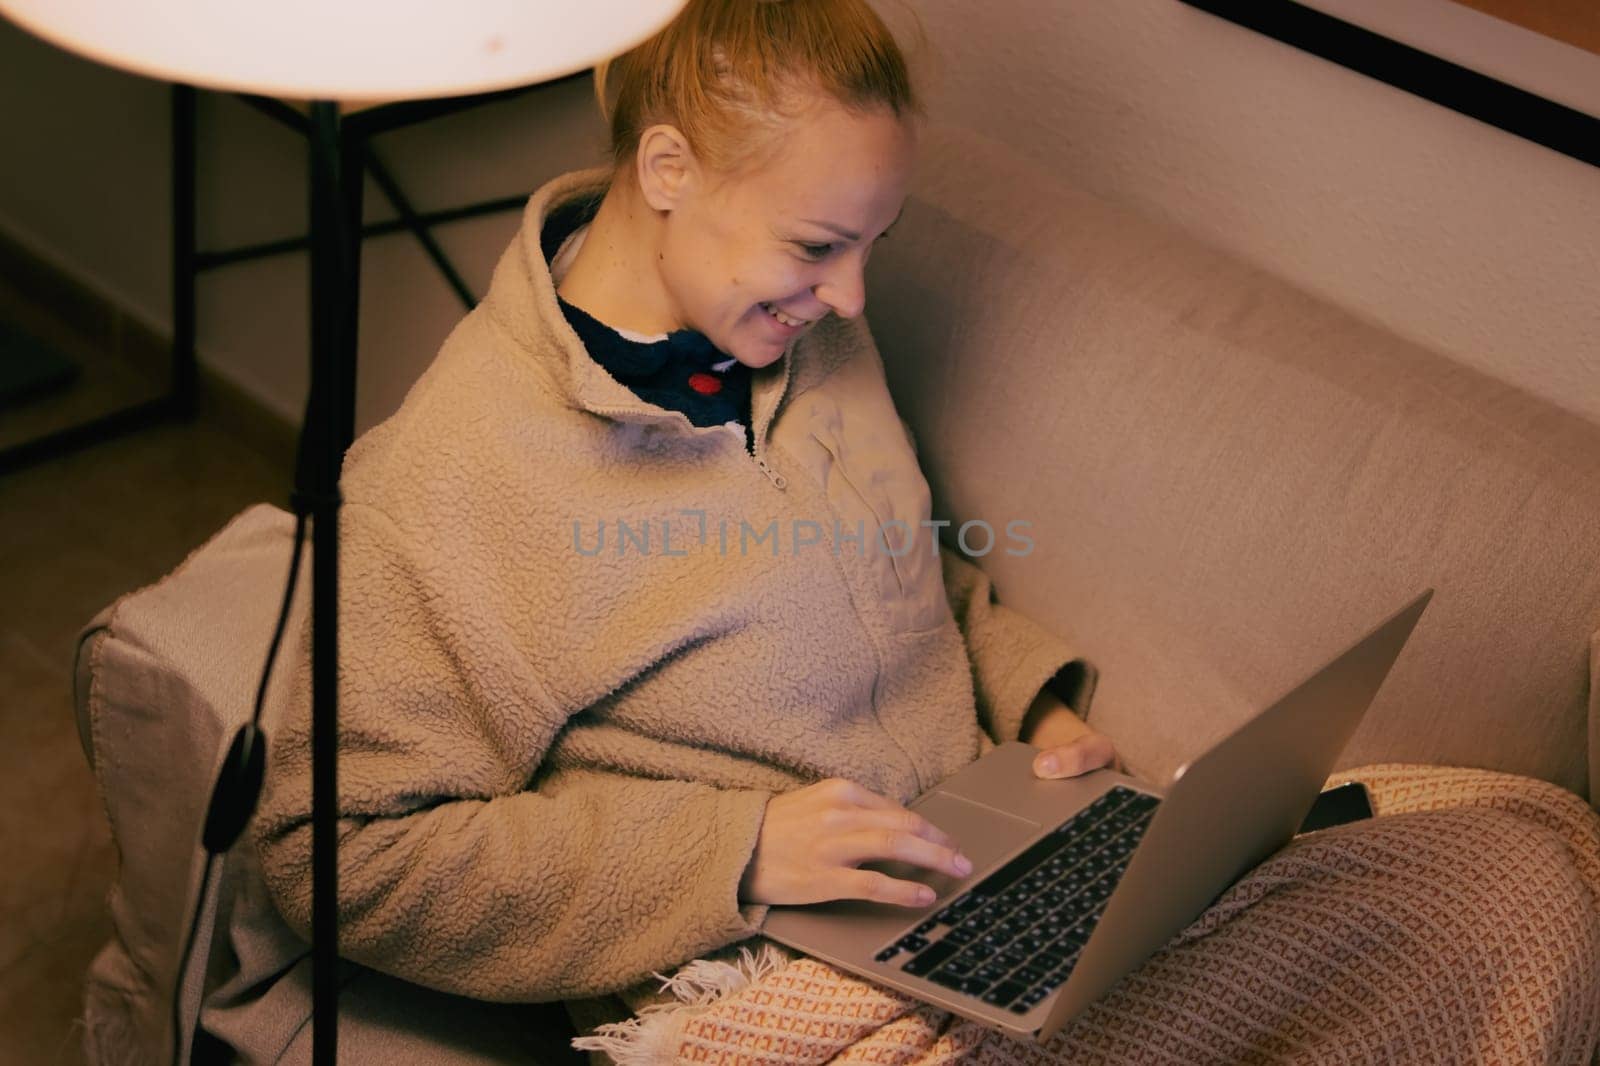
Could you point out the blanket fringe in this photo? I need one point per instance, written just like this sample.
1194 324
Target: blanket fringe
651 1039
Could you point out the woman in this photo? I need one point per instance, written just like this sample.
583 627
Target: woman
644 627
701 710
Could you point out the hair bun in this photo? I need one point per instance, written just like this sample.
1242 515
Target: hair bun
728 74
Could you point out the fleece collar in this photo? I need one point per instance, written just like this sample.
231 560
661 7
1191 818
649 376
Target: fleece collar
522 301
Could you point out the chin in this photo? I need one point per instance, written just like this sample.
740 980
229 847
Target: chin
754 353
757 356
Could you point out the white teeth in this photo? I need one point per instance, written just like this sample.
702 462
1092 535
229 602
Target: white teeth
781 317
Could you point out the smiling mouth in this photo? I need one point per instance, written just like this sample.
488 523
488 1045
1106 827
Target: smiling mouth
787 320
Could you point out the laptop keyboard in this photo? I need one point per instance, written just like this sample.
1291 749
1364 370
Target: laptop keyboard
1013 938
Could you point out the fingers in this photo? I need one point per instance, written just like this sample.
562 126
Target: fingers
1088 752
895 819
813 842
888 832
892 845
881 888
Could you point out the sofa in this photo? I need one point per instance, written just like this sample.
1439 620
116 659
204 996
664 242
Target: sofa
1225 480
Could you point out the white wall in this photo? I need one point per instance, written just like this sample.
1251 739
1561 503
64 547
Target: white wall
85 165
1448 231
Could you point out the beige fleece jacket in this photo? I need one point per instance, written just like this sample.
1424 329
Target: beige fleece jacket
558 735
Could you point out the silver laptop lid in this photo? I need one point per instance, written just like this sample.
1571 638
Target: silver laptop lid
1229 809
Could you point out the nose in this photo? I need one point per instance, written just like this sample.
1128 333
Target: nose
844 288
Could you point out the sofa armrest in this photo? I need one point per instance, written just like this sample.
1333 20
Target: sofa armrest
88 647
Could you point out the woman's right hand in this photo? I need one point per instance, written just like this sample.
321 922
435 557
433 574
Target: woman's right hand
813 839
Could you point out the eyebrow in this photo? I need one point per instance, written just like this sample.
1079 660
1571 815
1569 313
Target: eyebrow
846 234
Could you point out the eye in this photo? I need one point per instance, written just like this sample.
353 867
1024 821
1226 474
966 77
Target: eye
814 251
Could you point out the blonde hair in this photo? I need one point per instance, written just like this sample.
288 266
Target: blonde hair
730 74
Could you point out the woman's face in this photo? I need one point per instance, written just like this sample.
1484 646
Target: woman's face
753 261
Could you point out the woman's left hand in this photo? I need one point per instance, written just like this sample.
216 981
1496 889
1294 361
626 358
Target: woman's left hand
1069 746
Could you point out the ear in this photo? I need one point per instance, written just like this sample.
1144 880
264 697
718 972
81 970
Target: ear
666 167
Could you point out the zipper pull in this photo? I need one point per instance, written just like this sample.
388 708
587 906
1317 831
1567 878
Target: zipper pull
775 477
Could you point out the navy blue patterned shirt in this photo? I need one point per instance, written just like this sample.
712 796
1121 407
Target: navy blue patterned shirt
682 371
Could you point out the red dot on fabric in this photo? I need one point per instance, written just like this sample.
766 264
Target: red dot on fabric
705 384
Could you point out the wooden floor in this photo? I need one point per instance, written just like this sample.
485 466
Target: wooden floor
76 533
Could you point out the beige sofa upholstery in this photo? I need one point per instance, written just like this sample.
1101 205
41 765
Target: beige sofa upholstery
164 677
1225 479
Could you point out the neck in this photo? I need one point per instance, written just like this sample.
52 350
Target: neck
614 276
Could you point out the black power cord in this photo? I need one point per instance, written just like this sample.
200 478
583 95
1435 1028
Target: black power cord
236 791
325 435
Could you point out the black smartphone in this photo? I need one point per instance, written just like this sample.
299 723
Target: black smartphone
1338 805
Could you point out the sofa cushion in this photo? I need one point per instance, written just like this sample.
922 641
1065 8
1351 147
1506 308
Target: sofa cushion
1229 480
172 670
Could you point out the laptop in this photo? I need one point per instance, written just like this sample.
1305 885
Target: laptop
1076 882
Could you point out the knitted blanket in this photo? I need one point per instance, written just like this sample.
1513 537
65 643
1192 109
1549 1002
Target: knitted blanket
1462 925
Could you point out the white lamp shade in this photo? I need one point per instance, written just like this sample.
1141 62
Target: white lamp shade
346 49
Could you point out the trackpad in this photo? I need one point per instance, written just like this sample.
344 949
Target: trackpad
984 835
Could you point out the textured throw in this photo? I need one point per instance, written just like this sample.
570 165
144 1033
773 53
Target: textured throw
1462 926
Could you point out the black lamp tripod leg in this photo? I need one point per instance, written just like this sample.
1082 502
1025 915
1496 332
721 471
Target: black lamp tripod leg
321 452
184 370
419 228
352 180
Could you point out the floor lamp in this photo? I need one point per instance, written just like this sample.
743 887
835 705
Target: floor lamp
326 52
